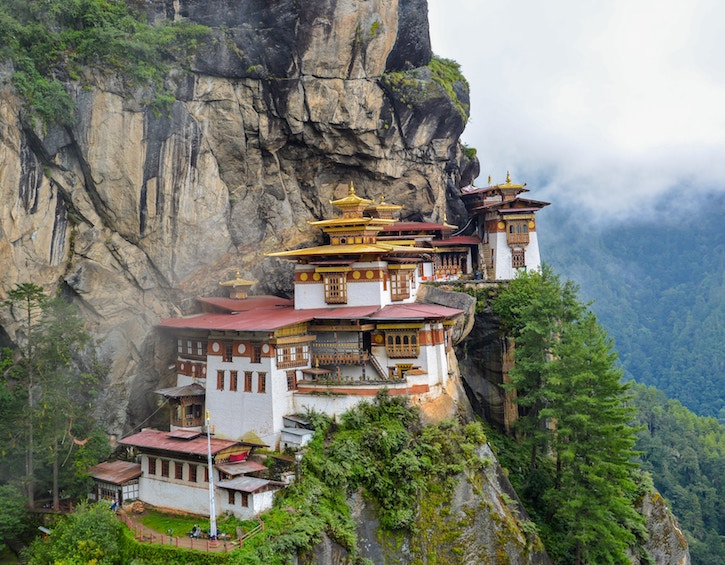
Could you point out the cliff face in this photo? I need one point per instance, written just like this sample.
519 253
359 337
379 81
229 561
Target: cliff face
134 211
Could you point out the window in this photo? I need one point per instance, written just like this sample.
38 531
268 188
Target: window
335 288
291 356
399 285
178 471
261 382
164 468
179 346
291 380
220 380
518 258
228 351
256 356
402 344
247 381
245 499
206 474
233 380
192 473
152 466
232 497
200 348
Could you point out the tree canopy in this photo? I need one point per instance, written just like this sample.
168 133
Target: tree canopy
573 422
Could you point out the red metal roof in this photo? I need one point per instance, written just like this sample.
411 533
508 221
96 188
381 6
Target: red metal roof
261 319
242 468
115 472
416 226
342 313
249 303
458 240
415 311
156 439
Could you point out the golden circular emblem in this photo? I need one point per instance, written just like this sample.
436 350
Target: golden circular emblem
369 274
501 225
356 275
531 224
303 277
316 276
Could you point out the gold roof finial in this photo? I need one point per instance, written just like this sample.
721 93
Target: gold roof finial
489 180
351 192
508 177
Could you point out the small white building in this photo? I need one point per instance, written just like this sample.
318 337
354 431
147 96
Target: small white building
506 224
175 473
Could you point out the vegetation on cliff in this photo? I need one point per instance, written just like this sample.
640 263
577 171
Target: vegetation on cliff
48 437
574 464
685 454
440 77
50 42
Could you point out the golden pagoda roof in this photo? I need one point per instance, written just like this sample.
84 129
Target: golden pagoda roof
238 281
351 201
350 249
362 221
509 184
384 207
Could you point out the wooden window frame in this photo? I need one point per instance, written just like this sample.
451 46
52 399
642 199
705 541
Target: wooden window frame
399 285
248 381
261 382
256 353
233 380
192 473
178 471
291 380
220 379
245 499
151 466
335 288
227 351
518 258
165 464
402 344
232 497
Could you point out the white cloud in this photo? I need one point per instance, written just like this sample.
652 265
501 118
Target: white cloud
610 104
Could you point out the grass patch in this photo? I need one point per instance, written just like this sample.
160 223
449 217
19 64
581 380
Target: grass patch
181 525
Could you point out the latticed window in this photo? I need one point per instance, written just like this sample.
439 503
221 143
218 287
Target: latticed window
261 382
232 497
192 473
291 380
233 380
399 285
335 288
164 468
228 352
220 380
518 258
152 466
178 470
247 381
402 344
256 355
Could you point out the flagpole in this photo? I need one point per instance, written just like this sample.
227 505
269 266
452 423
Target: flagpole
212 508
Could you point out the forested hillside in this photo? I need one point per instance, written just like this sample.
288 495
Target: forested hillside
659 290
685 455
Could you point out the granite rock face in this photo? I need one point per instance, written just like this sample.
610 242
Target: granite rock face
133 212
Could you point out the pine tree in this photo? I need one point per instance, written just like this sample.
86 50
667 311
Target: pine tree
55 386
573 415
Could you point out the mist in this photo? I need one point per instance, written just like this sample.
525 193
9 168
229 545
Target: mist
611 109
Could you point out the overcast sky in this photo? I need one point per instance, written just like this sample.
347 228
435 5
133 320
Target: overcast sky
614 103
